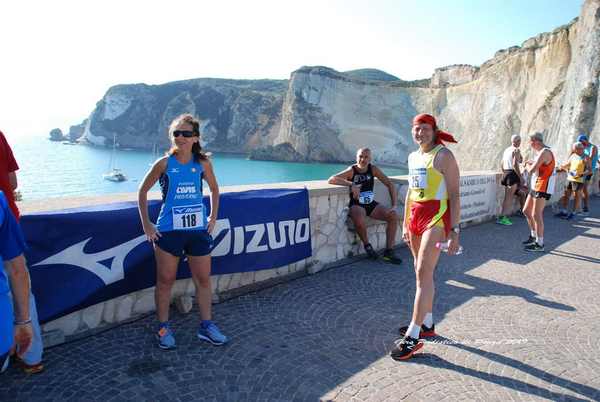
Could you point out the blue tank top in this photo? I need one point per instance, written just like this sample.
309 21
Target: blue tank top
181 187
588 152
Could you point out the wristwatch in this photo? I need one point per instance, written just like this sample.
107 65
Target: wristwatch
456 229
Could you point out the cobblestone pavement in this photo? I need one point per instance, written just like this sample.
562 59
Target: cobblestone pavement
512 325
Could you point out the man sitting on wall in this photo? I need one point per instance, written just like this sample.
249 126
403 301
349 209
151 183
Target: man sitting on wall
360 178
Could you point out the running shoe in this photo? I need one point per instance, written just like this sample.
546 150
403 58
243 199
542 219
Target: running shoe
372 254
503 220
29 368
585 212
212 334
405 348
4 360
535 247
530 240
570 216
424 333
390 256
561 214
165 338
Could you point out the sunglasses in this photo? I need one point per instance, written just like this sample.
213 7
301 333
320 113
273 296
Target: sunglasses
185 133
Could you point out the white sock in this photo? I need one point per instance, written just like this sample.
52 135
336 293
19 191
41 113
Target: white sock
533 234
428 321
413 330
540 241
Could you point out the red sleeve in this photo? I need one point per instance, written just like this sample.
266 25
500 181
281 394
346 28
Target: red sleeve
11 163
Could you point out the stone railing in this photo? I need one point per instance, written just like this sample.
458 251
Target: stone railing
333 240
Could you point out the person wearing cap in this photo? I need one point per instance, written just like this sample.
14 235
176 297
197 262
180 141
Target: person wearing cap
15 326
432 215
511 177
543 180
591 151
577 168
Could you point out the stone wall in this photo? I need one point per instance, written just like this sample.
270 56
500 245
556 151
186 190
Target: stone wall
333 240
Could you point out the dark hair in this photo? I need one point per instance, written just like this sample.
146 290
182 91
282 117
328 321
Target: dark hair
195 123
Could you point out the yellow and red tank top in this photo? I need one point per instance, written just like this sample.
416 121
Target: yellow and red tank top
425 182
576 168
544 179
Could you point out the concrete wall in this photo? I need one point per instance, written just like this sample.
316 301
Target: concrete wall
332 241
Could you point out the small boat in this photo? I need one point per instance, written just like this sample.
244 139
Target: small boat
69 143
114 174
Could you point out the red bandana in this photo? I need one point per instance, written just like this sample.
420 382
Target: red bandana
440 135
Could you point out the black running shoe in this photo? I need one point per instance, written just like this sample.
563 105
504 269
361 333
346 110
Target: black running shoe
372 254
405 348
535 247
530 240
425 332
390 256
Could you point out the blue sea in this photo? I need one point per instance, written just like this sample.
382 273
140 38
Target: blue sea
53 169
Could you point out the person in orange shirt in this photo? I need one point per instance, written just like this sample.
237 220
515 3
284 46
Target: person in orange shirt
543 179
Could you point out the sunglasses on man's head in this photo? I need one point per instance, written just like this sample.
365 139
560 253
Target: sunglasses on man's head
185 133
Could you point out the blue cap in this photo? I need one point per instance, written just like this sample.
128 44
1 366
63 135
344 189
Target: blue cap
582 137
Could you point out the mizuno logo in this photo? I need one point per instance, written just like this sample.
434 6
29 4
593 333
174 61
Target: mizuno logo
76 256
175 170
254 238
278 235
187 210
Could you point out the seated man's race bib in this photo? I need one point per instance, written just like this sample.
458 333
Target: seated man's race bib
366 197
417 178
188 217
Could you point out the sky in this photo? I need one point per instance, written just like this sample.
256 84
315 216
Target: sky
59 57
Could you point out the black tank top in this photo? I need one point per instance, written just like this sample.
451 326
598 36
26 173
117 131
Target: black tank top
366 182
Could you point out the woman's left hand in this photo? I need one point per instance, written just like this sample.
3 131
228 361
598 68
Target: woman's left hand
211 224
453 243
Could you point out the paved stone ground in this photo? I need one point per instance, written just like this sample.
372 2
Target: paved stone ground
512 325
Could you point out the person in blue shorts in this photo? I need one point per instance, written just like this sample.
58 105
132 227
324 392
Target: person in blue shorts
15 329
183 227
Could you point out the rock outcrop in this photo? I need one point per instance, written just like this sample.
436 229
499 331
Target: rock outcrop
548 84
56 134
238 115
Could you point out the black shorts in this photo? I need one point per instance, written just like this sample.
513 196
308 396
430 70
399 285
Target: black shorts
510 178
589 177
540 194
367 207
574 186
186 242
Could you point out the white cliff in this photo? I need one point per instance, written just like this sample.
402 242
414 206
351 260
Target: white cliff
549 84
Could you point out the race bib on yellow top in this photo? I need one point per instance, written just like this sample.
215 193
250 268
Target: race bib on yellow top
366 197
417 178
188 217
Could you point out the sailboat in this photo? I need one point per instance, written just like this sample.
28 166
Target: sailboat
114 174
155 154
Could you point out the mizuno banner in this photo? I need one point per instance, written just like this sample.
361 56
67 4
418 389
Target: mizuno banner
80 257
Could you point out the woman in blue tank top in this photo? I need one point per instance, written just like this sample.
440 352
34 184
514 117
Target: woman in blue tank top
183 227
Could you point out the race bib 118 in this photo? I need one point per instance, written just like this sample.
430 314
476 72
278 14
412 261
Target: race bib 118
188 217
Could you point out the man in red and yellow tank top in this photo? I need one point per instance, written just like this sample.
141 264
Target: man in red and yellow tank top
432 215
543 179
